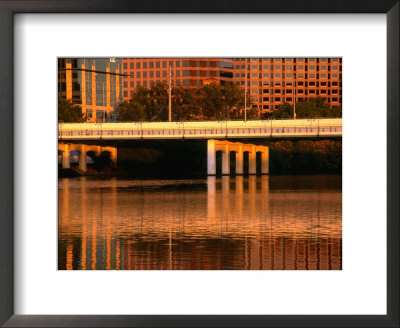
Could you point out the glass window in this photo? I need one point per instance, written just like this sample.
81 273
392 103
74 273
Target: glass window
144 74
138 65
138 75
277 75
289 75
177 63
265 75
151 65
277 66
125 65
132 66
300 67
132 84
145 84
157 64
164 64
289 67
312 75
334 75
300 60
144 65
334 60
254 66
335 68
312 67
311 60
301 75
151 74
254 91
158 74
323 67
266 67
185 64
254 83
254 74
323 60
323 76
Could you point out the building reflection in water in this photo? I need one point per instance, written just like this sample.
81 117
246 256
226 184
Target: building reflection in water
266 223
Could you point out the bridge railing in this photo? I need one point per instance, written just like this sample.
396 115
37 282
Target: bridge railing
201 130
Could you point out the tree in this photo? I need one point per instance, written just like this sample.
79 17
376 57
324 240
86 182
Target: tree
69 112
313 108
186 103
130 111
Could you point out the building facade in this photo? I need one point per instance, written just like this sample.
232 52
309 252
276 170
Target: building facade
270 81
187 72
93 83
274 81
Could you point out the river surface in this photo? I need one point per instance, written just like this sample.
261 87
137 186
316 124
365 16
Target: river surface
227 223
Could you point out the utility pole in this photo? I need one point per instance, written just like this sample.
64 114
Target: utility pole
245 91
169 95
294 98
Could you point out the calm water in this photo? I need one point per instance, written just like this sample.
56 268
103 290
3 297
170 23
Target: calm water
240 223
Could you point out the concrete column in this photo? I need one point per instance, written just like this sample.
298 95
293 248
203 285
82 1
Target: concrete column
252 160
211 169
265 161
83 88
82 158
225 161
66 158
93 94
239 160
68 78
117 77
108 88
113 156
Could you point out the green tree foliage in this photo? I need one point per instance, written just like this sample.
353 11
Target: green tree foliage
69 112
212 101
314 107
306 156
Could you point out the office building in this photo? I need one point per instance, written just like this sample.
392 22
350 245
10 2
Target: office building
270 81
93 83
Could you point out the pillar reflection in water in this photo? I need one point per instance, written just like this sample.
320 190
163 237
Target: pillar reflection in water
242 222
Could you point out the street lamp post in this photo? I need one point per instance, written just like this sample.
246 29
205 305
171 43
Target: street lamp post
294 98
245 91
169 96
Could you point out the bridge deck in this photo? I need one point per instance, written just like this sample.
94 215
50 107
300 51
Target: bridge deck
202 130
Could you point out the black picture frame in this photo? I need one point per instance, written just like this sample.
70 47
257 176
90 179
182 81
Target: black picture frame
10 7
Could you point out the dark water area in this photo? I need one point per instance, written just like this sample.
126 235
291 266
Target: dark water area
230 223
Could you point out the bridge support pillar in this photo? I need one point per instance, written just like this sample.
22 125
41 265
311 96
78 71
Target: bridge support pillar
211 167
239 160
66 157
225 161
265 161
82 158
252 160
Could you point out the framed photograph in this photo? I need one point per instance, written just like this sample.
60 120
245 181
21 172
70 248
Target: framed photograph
213 164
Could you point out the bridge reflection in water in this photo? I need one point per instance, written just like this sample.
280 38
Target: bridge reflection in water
267 223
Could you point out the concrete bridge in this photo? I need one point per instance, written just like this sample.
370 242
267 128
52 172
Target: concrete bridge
215 132
302 128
